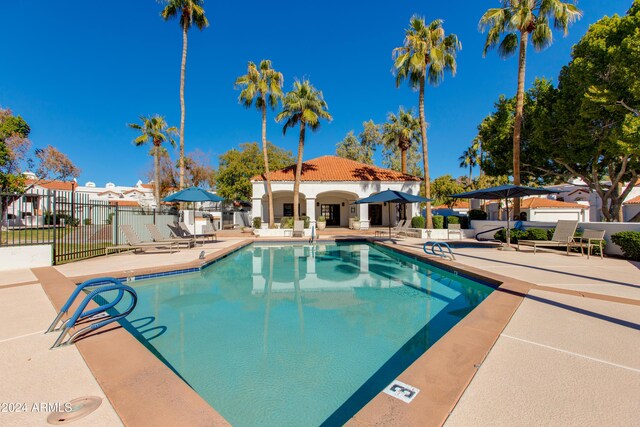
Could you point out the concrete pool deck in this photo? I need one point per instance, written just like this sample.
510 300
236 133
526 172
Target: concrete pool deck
567 356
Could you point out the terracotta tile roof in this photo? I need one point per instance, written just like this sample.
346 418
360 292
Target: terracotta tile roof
146 185
53 185
124 203
333 168
634 201
458 204
537 202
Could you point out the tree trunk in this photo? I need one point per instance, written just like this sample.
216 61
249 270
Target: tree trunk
425 155
296 182
517 126
156 167
403 160
266 164
183 71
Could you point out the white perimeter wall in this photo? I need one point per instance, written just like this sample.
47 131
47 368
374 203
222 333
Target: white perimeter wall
19 257
609 228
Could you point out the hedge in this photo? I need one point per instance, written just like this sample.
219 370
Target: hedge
438 221
537 234
629 242
257 222
515 235
417 222
453 220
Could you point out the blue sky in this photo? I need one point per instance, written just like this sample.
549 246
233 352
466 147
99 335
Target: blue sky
79 71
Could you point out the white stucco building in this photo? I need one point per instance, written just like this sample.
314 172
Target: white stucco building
329 186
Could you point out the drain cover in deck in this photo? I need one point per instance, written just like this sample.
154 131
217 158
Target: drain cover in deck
77 408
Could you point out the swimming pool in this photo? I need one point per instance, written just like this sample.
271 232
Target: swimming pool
293 335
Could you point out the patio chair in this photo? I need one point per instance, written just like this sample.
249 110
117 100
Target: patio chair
298 229
202 237
589 239
454 229
157 236
134 242
562 236
402 230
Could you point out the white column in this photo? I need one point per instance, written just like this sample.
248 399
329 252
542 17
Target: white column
363 213
256 208
311 211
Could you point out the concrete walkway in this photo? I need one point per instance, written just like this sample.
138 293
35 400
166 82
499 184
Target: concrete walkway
563 359
30 372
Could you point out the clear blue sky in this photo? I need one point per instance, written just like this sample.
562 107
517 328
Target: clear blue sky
79 71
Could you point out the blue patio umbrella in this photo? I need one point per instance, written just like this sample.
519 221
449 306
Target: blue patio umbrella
506 192
193 194
392 196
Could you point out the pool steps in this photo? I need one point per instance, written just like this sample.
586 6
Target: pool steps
102 284
430 247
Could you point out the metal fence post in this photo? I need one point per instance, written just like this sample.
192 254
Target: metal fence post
55 231
116 224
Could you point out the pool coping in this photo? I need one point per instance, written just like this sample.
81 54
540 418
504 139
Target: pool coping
442 373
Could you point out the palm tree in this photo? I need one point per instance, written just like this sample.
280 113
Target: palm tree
263 87
190 12
155 130
304 105
517 20
469 159
425 56
402 130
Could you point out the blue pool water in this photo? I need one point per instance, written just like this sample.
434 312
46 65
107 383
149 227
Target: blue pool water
299 335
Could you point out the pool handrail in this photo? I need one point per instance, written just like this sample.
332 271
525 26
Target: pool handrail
80 314
488 231
434 244
101 281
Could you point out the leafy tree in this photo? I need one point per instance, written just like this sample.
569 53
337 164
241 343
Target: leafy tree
445 186
517 20
199 171
582 129
262 87
14 146
154 130
190 12
360 148
53 164
237 166
424 57
402 131
305 106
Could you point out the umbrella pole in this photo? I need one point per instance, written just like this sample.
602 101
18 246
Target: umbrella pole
389 223
508 247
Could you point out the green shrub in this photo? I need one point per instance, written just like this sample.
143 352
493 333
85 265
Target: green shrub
322 219
109 219
286 222
629 242
307 221
477 214
537 234
550 232
74 222
515 235
438 221
87 221
417 222
453 220
257 222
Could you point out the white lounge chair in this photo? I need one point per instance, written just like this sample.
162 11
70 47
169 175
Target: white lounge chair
562 236
134 242
298 229
454 229
157 237
208 235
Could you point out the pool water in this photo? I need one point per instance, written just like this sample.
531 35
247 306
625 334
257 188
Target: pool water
295 335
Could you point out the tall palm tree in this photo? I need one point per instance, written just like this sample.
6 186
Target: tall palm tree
190 12
304 105
156 131
517 20
403 130
424 57
469 159
262 86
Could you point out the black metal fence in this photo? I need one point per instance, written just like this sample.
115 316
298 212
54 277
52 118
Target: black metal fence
75 225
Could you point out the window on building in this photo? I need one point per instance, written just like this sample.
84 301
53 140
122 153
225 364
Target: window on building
287 209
